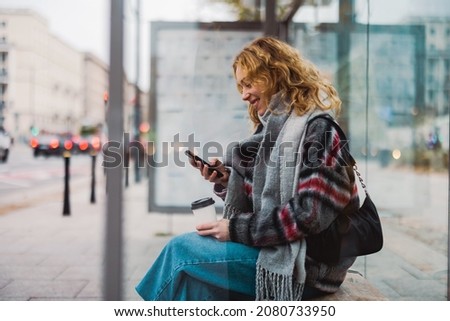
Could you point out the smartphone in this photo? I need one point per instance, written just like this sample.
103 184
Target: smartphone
195 158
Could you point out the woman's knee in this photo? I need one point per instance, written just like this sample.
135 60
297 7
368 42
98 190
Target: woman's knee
183 240
186 243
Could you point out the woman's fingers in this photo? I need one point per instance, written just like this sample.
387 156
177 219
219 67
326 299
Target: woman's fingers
218 229
211 173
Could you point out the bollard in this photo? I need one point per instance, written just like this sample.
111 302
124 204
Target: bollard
66 206
127 165
94 156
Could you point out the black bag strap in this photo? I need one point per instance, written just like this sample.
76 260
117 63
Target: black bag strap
347 149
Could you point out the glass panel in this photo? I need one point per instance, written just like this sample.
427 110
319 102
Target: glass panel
393 76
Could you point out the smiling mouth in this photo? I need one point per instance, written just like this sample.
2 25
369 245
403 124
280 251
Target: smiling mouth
254 102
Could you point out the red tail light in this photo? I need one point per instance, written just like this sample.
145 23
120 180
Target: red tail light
68 144
96 143
34 142
83 145
54 143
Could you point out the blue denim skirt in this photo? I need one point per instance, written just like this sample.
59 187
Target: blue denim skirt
197 268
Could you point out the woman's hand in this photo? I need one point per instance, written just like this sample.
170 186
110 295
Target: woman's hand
212 176
218 229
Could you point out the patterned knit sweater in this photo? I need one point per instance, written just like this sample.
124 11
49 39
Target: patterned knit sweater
326 188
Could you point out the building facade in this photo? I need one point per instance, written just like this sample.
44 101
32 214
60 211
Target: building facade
437 64
47 85
95 90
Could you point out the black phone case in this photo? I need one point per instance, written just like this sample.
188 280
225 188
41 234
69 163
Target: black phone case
196 158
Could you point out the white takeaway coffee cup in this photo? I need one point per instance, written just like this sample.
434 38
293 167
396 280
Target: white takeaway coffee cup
204 210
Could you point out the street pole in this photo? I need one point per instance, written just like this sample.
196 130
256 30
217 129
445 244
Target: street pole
94 156
345 26
2 118
105 121
66 203
112 282
127 165
137 105
270 23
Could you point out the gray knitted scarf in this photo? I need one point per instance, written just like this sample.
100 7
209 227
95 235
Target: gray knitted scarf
280 270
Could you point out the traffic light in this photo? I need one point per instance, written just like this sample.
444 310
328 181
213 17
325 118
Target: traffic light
34 130
144 127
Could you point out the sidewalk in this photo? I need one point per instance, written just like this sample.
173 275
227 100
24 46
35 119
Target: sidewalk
47 256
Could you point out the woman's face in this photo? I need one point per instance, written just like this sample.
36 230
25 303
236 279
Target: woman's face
253 93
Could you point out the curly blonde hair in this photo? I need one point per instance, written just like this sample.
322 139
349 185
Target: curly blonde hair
280 68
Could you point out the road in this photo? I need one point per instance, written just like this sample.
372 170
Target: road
25 178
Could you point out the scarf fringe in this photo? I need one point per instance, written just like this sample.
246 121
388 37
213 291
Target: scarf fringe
276 287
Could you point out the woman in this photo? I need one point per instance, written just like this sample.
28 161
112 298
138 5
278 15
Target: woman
284 182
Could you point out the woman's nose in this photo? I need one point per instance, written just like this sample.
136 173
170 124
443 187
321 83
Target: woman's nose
245 95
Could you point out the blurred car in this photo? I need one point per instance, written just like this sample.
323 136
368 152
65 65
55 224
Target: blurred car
48 144
88 144
5 145
88 141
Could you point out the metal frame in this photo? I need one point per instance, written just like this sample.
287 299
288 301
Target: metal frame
112 278
155 28
286 20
